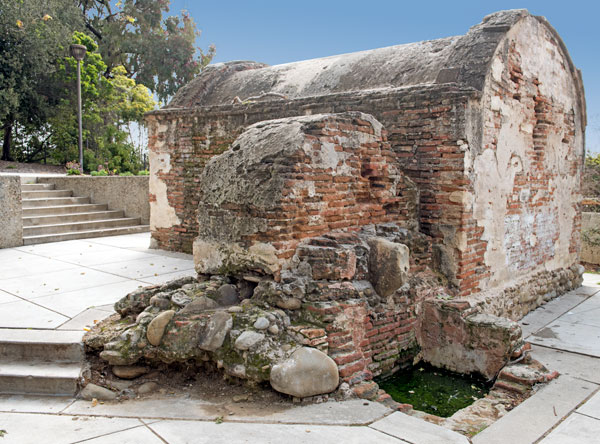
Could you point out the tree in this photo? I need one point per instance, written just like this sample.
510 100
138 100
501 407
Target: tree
33 35
109 105
157 53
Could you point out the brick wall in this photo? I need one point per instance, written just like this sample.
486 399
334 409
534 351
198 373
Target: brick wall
297 178
524 182
425 126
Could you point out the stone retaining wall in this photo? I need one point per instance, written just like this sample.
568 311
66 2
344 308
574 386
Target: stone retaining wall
590 252
129 194
11 220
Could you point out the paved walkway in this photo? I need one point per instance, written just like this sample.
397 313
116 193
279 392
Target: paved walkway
70 284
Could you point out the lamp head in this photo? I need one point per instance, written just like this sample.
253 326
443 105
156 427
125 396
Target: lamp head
78 52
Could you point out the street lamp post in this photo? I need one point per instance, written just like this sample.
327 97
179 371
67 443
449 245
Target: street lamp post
78 53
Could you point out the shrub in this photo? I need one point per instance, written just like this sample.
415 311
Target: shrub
143 173
127 173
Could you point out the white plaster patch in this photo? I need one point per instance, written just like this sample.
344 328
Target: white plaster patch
517 242
162 215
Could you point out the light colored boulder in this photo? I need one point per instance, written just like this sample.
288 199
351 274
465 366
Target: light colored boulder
217 328
261 323
156 328
247 339
93 391
129 371
388 265
307 372
199 305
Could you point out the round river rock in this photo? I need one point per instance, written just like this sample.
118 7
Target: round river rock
307 372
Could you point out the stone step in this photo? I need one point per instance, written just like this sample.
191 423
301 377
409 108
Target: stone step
54 202
39 377
40 345
65 209
44 194
36 186
31 221
31 240
80 226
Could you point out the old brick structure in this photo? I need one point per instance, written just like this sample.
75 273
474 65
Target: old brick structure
389 200
489 125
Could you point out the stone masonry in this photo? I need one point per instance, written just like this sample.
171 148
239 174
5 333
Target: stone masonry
358 212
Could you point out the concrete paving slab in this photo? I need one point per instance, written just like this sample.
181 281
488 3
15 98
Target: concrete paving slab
577 338
108 307
33 404
24 314
86 319
350 413
592 303
39 336
37 285
55 249
591 279
19 267
5 298
537 415
25 428
147 267
576 429
417 431
163 278
137 435
192 432
591 407
107 256
133 241
73 303
10 254
545 314
587 290
568 364
590 316
353 412
158 408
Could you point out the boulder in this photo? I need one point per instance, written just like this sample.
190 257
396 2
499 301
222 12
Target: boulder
228 295
129 371
247 339
199 305
156 328
307 372
262 323
214 334
93 391
388 265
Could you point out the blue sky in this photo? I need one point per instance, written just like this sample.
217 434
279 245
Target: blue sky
283 31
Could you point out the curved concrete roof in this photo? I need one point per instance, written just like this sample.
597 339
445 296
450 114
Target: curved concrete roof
462 59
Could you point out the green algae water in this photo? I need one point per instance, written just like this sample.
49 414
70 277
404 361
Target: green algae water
432 390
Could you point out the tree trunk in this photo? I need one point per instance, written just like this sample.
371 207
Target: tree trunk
8 126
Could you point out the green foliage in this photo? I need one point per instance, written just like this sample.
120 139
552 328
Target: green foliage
143 173
590 183
99 173
127 173
159 53
108 105
34 34
125 40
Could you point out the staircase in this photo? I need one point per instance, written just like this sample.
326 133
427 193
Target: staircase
51 215
40 362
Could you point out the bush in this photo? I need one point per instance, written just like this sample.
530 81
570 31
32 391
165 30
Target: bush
143 173
127 173
73 168
99 173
